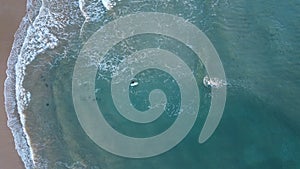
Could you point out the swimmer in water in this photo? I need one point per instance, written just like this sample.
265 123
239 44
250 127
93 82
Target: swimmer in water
133 83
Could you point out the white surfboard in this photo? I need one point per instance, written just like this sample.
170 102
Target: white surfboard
134 83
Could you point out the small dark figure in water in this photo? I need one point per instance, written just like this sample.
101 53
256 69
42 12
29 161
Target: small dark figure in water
133 83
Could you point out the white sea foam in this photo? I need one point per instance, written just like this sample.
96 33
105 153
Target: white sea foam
213 82
38 39
108 4
92 11
81 7
17 128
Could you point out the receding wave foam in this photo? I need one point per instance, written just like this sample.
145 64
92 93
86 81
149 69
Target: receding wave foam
33 37
14 116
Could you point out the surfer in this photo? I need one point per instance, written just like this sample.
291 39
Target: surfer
134 83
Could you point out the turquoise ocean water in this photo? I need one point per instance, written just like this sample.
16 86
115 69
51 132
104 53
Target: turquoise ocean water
258 43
